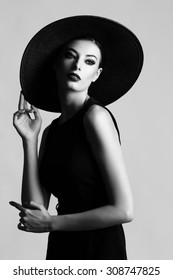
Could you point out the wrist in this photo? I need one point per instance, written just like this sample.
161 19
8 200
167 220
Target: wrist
30 141
55 223
52 224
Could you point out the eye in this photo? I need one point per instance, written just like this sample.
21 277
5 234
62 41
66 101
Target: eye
90 62
69 55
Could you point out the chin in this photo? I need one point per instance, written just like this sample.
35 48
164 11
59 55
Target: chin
75 87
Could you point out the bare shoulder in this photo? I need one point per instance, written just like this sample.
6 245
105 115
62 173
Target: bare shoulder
95 115
98 121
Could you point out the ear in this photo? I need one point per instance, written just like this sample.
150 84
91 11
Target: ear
97 74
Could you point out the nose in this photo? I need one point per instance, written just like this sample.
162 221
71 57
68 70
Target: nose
78 64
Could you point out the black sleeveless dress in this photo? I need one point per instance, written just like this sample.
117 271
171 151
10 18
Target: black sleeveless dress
69 171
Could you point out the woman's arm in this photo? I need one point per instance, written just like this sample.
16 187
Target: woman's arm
32 190
103 138
104 142
29 128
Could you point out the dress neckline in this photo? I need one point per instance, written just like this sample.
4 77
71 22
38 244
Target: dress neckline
74 115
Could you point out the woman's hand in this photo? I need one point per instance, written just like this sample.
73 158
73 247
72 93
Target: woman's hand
34 218
27 127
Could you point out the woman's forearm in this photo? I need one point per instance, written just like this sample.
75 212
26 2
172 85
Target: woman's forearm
102 217
31 188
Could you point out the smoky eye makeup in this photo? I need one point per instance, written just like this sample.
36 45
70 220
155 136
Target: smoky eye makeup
72 53
90 61
69 54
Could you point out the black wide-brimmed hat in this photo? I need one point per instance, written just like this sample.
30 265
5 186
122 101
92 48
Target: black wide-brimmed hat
123 60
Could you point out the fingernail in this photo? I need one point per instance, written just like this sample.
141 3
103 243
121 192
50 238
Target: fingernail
11 203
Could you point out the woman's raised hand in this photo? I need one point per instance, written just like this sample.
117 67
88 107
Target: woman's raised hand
27 127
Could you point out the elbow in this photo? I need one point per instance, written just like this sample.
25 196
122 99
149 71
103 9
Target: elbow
128 214
122 215
128 211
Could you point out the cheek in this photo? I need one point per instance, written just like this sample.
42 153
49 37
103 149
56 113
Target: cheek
90 75
61 70
62 66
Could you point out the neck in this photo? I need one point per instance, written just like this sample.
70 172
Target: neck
71 102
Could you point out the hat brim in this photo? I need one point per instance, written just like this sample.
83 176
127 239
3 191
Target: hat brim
123 52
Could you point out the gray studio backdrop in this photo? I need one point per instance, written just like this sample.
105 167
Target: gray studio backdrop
144 117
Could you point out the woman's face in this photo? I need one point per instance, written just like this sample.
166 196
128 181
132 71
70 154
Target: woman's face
78 65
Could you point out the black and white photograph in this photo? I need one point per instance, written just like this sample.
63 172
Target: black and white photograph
86 151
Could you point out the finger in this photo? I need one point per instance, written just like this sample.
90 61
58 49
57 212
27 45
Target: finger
36 112
35 205
29 110
21 104
38 206
22 214
17 205
22 227
29 206
25 104
15 117
22 221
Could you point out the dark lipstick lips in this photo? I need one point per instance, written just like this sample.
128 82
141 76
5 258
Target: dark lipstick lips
74 76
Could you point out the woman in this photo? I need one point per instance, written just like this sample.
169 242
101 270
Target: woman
80 161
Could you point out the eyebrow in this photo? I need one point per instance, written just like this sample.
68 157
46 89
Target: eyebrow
88 55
